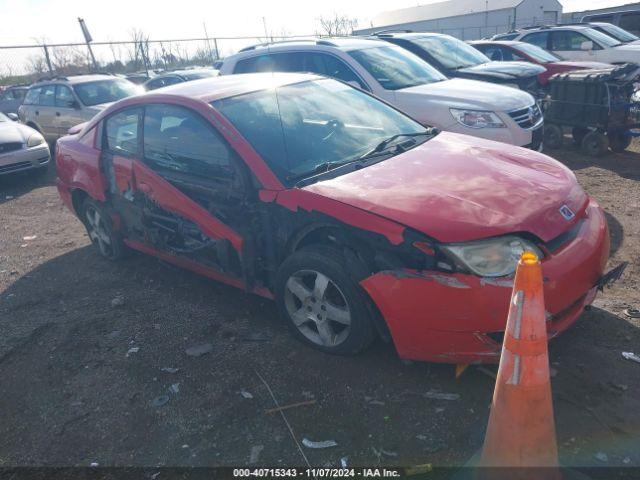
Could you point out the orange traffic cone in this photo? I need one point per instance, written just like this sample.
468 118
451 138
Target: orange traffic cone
521 430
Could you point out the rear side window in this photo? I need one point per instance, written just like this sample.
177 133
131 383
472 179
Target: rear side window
262 63
64 97
599 18
537 38
121 132
179 140
630 21
567 40
48 96
33 96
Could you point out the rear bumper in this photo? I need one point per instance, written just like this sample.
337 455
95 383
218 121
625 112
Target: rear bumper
24 159
459 318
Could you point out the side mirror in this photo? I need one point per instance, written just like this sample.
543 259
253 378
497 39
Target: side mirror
13 116
75 104
586 45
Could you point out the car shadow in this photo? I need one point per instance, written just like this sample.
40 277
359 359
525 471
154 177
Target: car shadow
14 185
616 233
93 337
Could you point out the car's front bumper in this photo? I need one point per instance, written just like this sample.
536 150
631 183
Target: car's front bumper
459 318
24 159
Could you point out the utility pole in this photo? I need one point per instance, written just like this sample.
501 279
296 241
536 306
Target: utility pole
206 35
266 33
88 39
46 57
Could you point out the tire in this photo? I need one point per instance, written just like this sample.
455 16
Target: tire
553 135
578 134
595 143
334 319
618 142
99 226
41 172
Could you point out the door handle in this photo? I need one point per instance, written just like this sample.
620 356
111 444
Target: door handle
144 187
37 112
57 114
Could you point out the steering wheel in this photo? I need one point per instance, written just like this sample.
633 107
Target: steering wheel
332 127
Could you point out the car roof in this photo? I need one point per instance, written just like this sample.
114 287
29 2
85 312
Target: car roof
215 88
408 35
185 71
342 43
507 43
76 79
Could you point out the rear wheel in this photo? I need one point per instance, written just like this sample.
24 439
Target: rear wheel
578 134
322 304
619 141
553 136
595 143
99 226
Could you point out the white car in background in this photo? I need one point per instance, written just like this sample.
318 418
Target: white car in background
581 42
407 82
21 147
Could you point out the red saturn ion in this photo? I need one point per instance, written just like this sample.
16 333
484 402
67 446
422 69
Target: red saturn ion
357 220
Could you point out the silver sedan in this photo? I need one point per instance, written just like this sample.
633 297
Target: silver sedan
21 148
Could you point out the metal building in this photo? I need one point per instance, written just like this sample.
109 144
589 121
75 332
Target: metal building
469 19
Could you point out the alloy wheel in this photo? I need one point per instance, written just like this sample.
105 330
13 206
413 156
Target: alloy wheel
98 231
318 308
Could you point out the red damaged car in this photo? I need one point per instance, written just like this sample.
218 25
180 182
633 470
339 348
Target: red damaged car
509 51
357 220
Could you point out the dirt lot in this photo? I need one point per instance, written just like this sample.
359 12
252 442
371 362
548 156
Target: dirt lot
75 390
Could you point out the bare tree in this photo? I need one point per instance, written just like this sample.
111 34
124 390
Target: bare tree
337 25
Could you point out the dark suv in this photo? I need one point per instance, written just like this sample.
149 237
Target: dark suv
456 59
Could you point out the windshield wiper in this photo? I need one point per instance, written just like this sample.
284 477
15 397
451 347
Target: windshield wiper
318 169
378 149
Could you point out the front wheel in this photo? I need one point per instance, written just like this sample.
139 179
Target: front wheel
553 136
99 226
322 304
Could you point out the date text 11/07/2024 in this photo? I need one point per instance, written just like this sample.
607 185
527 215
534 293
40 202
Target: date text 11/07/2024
317 472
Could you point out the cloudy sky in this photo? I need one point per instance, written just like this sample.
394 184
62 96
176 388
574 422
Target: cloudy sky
23 21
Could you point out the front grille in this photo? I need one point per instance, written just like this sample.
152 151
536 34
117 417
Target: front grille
10 147
527 117
14 167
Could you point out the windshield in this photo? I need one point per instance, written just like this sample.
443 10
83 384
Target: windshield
537 53
296 128
617 32
450 52
601 38
105 91
395 68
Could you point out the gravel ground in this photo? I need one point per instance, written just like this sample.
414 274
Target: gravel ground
85 342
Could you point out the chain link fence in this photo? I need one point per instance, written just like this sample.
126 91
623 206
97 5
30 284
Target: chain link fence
23 64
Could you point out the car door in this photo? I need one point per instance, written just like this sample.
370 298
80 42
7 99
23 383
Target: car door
67 110
568 44
45 112
190 190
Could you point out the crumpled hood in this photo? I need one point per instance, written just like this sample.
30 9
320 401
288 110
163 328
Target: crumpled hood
462 93
583 65
504 70
457 188
14 132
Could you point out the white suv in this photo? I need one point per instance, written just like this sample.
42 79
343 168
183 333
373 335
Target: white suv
406 81
52 106
581 42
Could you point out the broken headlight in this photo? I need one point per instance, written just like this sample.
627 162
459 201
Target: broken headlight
495 257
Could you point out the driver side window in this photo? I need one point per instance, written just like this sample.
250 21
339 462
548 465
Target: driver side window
179 140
